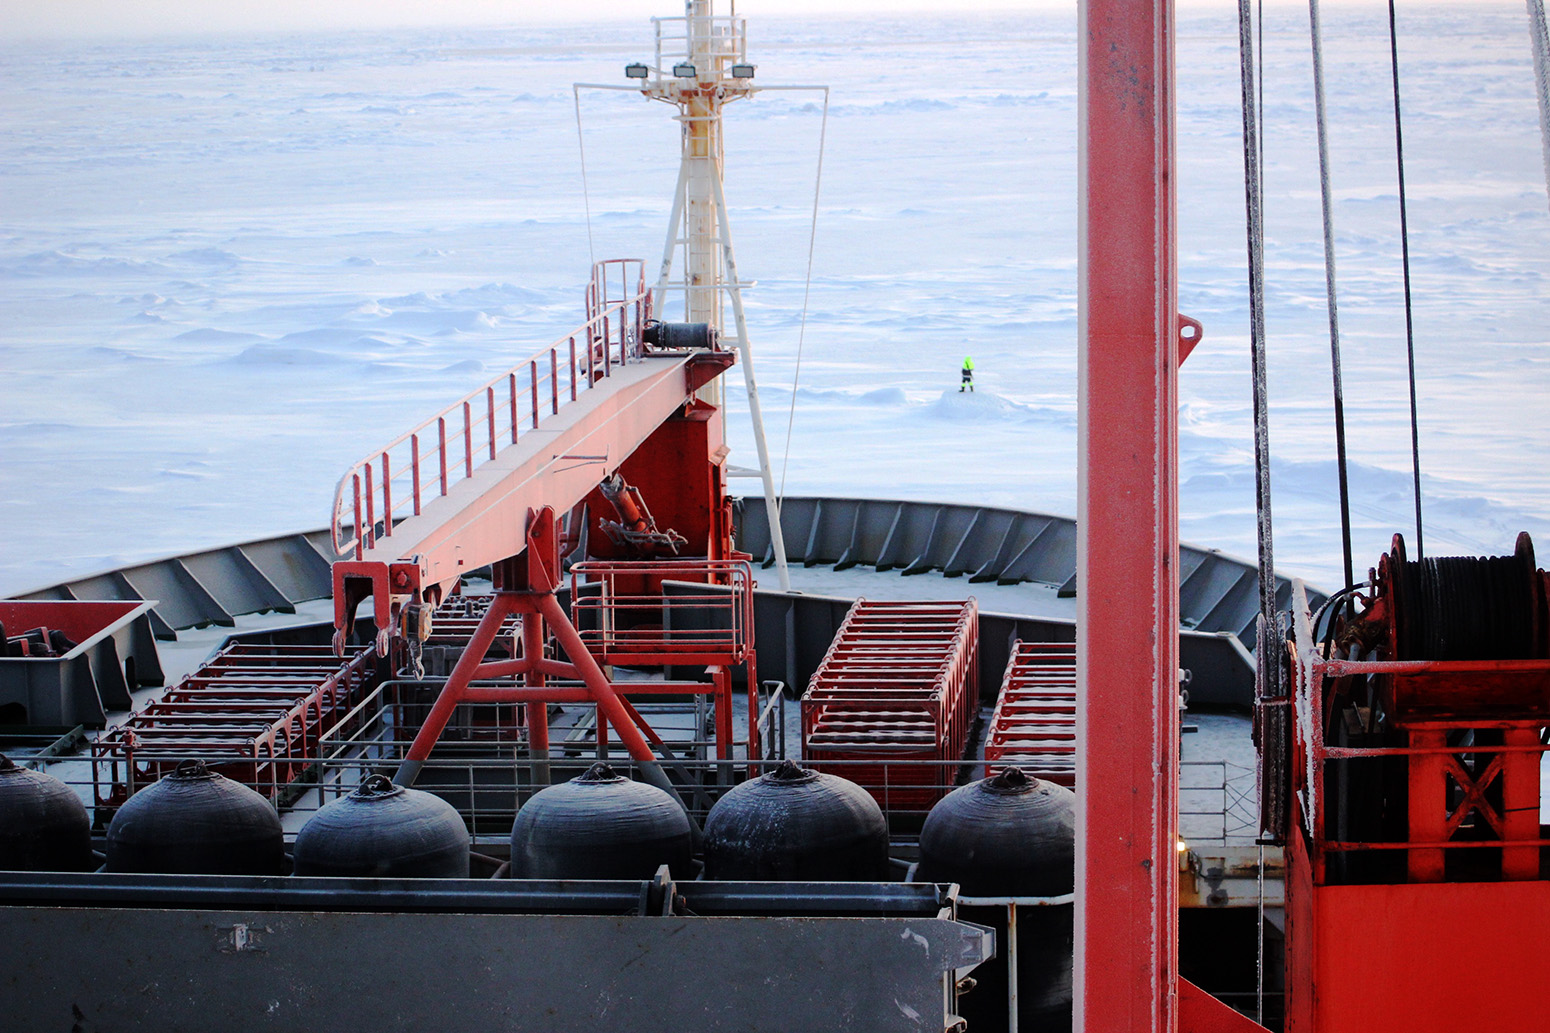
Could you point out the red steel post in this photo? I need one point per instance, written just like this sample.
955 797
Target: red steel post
1520 802
537 712
441 448
387 498
371 509
360 538
1427 801
489 405
414 469
532 378
1127 544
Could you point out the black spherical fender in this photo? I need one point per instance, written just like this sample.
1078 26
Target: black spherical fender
796 825
1007 836
43 824
196 822
600 825
385 831
1011 836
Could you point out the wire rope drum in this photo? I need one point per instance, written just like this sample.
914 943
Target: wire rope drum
1466 607
43 824
796 825
1011 836
196 822
385 831
665 336
600 825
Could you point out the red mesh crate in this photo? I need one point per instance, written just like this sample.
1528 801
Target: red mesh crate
1034 724
891 704
254 713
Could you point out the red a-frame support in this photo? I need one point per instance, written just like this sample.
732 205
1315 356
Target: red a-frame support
526 585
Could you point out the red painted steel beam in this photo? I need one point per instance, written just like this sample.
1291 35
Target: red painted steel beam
483 519
1127 541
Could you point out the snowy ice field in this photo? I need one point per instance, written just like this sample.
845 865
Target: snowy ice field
231 266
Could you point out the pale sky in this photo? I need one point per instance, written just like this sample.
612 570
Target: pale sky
20 19
27 18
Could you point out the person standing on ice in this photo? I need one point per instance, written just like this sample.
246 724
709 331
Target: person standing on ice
968 375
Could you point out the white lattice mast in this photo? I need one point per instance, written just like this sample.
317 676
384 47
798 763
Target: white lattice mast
701 66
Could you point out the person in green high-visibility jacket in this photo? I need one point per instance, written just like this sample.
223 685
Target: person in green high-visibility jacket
968 375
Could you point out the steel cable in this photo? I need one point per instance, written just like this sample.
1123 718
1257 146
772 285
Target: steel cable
807 287
1316 36
1539 41
1268 678
586 198
1267 667
1404 246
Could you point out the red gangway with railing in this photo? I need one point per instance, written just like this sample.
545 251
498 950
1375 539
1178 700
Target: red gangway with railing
898 683
1034 723
398 480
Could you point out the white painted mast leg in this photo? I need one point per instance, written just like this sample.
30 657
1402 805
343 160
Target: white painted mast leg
674 230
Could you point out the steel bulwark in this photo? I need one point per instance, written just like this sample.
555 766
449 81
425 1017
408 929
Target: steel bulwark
288 954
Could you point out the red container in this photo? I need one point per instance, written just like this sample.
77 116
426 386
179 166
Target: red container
1034 724
891 705
254 713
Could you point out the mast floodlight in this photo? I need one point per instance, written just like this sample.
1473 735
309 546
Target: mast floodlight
685 71
742 71
636 71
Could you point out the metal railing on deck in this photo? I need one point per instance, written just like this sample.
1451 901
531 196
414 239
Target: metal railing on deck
725 36
625 617
399 479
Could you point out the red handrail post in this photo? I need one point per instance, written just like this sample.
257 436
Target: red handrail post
489 401
554 381
468 440
414 469
387 498
441 441
360 545
532 379
371 510
573 367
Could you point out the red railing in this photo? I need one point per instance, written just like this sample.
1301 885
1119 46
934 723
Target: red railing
398 480
625 616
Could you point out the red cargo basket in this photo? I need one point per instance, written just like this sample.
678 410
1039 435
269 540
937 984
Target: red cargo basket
254 713
1034 725
891 705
